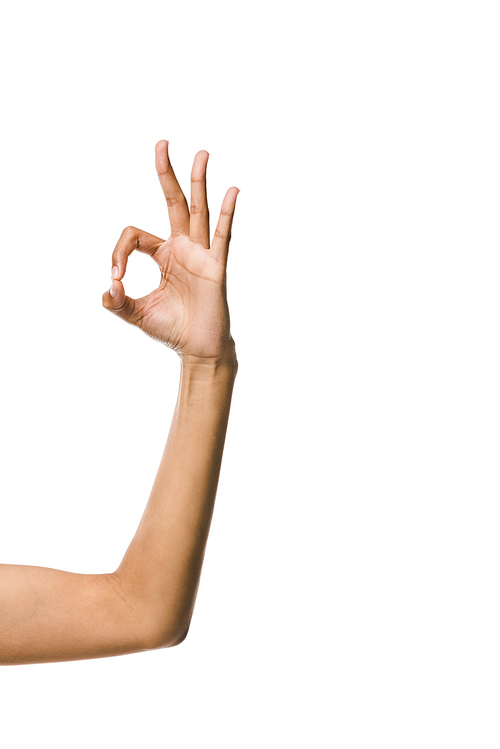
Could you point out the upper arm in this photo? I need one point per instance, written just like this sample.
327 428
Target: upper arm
51 615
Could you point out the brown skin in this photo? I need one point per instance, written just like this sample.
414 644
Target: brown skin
188 311
52 615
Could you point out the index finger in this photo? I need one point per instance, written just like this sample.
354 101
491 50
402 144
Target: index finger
178 211
132 239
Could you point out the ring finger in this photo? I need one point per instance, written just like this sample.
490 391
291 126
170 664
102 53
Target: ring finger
199 224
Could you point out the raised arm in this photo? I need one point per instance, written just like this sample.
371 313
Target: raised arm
52 615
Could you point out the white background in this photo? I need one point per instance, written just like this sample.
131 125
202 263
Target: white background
350 592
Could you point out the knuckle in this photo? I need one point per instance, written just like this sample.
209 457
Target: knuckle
225 236
129 232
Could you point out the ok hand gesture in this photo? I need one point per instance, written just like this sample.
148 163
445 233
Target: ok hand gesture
188 312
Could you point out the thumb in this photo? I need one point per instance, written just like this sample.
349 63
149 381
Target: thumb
115 300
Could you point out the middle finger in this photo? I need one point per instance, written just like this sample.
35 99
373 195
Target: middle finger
178 212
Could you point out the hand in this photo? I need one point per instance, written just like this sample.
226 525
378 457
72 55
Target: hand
188 312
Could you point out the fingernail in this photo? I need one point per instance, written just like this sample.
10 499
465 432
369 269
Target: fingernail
112 289
115 272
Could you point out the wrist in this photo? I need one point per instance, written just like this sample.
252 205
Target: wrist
211 377
225 360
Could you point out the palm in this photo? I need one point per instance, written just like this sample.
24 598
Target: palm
188 311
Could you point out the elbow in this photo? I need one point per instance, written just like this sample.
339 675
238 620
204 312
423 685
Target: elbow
145 627
180 638
158 636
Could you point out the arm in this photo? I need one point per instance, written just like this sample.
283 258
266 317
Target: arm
52 615
162 566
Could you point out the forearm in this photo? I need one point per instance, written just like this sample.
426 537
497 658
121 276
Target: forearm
161 568
53 615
